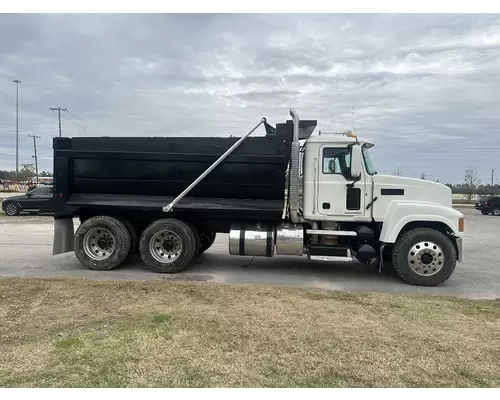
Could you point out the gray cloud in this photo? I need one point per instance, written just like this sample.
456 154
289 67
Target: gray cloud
425 87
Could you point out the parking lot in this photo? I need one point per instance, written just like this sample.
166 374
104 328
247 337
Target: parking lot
26 250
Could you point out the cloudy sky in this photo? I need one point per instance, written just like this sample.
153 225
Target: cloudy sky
426 88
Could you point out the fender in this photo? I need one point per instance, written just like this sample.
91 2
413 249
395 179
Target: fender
401 213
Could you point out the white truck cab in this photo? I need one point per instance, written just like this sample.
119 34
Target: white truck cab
341 192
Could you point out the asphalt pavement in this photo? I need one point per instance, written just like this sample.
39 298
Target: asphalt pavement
26 250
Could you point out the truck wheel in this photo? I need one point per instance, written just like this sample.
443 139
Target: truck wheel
134 240
168 245
484 212
12 209
207 239
102 243
495 211
424 257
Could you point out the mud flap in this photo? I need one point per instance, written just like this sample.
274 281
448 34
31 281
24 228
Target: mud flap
64 235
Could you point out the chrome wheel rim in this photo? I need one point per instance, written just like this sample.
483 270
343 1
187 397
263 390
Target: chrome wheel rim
426 258
165 246
99 244
496 211
10 209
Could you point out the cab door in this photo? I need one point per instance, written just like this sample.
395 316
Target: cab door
338 194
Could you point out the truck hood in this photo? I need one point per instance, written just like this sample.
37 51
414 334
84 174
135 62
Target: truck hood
390 188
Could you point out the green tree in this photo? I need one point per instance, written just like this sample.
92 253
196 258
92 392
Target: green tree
471 182
27 172
7 174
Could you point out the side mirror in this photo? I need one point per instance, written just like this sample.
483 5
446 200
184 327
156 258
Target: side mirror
356 161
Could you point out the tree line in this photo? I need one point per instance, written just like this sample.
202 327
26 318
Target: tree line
26 173
472 185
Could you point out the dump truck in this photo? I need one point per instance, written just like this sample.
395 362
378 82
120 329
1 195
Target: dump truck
290 192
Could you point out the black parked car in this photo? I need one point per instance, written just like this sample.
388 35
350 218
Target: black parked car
36 201
489 205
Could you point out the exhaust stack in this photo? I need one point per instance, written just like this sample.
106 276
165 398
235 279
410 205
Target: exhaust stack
294 181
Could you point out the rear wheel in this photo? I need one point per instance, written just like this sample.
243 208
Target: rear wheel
484 212
207 239
496 211
102 243
424 257
168 245
12 209
134 240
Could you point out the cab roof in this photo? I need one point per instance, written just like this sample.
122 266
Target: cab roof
338 139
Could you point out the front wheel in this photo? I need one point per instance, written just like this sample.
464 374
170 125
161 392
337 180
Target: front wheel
12 209
424 257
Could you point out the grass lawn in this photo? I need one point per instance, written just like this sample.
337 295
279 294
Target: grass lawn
75 333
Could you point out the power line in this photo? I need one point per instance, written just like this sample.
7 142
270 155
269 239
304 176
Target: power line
59 109
76 118
77 123
25 155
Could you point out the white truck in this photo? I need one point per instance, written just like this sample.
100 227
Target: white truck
288 193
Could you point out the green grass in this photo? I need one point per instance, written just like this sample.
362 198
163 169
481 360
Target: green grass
464 201
77 333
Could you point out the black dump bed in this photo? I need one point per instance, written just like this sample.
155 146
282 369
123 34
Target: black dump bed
146 173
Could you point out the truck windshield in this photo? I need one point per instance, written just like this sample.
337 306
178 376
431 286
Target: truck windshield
368 162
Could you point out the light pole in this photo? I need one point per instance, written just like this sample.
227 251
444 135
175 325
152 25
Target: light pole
17 82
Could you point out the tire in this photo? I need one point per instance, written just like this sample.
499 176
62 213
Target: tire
430 250
484 212
134 240
12 209
207 239
495 211
168 245
102 243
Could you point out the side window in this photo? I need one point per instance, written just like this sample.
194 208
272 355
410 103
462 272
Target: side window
42 191
337 161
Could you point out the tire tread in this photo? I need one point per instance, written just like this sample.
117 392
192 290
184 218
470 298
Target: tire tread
397 250
111 262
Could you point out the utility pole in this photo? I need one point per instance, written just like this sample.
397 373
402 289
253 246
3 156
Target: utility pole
36 159
59 109
17 82
492 174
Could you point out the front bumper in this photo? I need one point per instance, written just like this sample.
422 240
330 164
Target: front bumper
460 251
